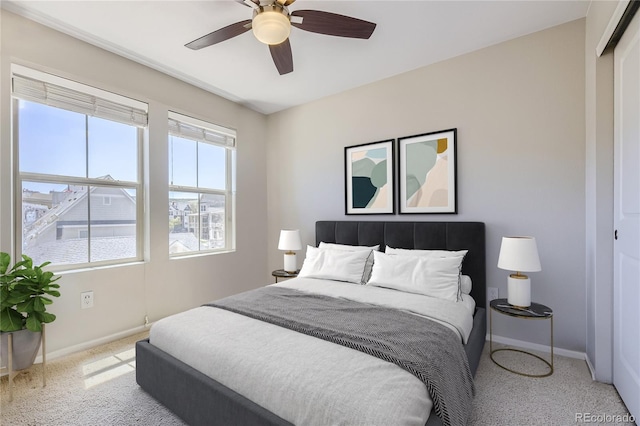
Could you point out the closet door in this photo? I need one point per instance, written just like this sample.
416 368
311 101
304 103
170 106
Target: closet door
626 322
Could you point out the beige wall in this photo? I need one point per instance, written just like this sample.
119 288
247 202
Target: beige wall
599 193
519 110
159 286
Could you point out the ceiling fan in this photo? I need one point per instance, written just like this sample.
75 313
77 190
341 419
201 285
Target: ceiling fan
271 24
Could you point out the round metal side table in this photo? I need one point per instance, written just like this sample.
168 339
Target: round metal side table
536 312
281 273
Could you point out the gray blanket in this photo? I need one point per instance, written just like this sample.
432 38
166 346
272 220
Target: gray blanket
430 351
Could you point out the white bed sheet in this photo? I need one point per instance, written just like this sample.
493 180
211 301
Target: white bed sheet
304 380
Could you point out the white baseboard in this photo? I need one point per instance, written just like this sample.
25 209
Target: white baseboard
92 343
590 366
537 347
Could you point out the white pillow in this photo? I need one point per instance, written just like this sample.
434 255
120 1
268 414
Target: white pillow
465 280
345 247
337 265
465 284
427 253
432 276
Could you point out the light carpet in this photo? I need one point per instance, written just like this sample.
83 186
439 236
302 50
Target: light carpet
98 387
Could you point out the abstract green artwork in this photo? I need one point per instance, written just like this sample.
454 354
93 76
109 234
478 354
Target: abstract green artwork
427 170
369 179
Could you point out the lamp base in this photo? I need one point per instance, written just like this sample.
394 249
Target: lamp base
519 290
290 262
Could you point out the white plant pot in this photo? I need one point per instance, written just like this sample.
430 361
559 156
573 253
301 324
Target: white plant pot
25 348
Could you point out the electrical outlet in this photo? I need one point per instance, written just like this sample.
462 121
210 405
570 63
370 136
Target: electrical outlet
86 300
492 293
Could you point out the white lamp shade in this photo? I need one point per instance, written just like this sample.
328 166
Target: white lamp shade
519 254
271 26
289 240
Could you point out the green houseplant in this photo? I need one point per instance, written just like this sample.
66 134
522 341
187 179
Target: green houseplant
23 294
25 291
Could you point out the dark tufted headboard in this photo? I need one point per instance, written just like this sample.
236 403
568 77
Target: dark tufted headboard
417 235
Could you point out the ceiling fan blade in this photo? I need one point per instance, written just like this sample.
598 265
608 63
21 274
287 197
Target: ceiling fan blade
333 24
220 35
254 3
282 56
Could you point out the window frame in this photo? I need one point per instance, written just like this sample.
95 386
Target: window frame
228 192
20 177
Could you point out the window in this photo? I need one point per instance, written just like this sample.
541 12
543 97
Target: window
201 180
78 171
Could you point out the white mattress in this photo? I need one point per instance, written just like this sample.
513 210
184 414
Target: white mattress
304 380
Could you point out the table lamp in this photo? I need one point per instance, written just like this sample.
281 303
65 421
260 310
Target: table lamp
519 254
289 241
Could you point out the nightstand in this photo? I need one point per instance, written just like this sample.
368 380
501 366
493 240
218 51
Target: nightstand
281 273
534 312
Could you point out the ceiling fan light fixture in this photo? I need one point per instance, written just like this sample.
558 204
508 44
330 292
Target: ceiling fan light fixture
271 24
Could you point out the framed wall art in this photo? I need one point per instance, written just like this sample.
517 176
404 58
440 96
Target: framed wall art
369 178
427 173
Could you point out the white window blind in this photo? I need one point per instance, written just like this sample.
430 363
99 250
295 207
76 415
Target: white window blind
47 93
191 128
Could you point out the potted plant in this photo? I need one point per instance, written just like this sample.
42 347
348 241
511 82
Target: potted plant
24 291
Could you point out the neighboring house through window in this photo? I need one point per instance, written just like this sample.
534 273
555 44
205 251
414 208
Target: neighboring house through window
201 186
78 172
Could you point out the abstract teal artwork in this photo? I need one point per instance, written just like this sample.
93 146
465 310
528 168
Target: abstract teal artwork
369 178
427 170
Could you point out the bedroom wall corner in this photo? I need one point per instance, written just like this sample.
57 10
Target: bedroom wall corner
519 110
5 149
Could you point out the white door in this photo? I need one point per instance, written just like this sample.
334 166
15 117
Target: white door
626 323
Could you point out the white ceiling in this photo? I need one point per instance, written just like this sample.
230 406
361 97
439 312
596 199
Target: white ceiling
409 35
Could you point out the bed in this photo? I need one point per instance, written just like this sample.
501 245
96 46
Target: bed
200 399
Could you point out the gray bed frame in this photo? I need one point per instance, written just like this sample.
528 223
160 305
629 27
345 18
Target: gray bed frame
200 400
